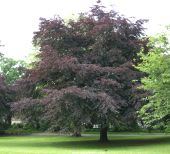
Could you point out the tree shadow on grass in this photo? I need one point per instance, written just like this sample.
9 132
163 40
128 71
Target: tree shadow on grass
93 144
84 143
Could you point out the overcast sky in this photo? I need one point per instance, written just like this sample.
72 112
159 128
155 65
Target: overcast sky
20 18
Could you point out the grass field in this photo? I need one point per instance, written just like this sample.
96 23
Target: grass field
85 145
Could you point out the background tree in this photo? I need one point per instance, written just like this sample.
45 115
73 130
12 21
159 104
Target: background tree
5 99
84 71
6 96
11 69
156 64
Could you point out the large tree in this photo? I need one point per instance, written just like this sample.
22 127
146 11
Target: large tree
156 112
85 71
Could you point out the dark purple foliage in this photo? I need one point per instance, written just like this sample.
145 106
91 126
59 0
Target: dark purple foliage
85 70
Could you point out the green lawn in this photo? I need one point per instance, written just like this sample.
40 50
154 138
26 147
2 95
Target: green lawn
84 145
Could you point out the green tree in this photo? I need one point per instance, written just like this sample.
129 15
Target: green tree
156 64
11 69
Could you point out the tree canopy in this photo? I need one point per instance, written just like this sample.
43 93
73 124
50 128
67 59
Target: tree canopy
84 73
156 64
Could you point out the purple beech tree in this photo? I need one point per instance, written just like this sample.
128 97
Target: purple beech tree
84 73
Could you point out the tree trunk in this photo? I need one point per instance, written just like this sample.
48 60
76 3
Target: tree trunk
9 119
103 134
76 134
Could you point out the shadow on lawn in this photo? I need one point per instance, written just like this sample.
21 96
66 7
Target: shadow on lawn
83 143
112 143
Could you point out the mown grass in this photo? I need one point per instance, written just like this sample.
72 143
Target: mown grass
84 145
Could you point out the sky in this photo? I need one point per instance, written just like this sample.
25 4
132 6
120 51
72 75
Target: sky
20 18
